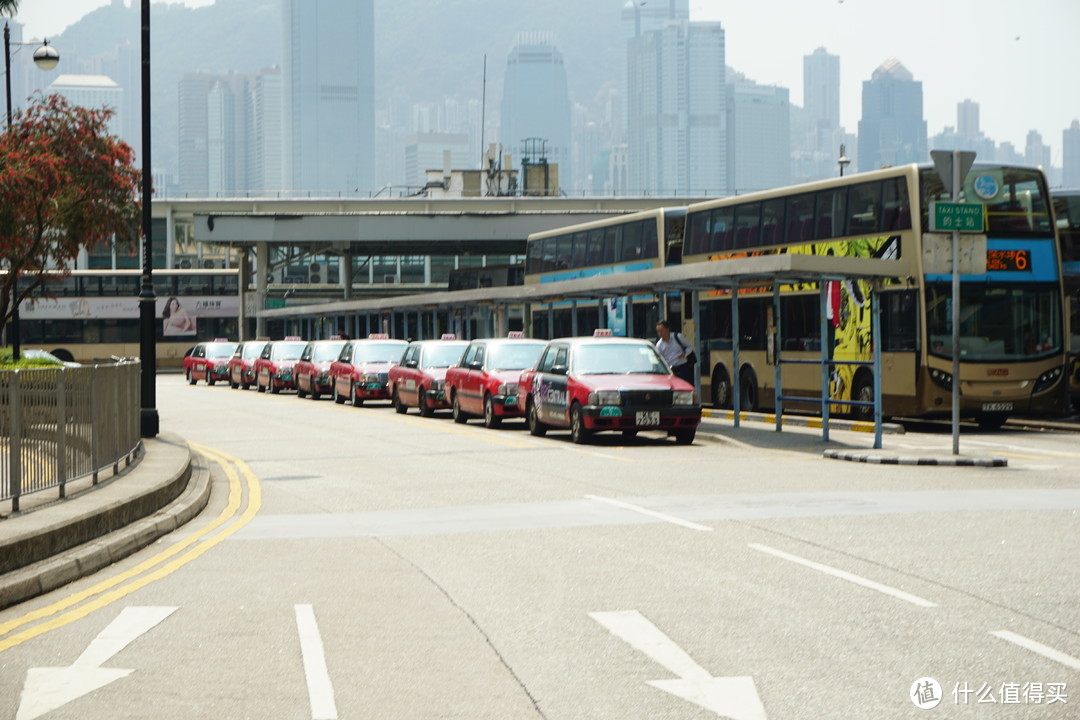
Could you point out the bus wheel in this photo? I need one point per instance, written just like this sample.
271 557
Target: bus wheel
721 389
863 391
748 392
991 421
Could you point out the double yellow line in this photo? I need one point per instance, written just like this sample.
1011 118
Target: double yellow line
79 605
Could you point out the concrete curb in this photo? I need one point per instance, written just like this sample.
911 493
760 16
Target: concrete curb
952 461
803 421
165 497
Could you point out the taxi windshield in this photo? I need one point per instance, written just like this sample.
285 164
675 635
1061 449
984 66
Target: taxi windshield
618 359
377 353
287 350
327 352
514 355
220 349
253 350
440 356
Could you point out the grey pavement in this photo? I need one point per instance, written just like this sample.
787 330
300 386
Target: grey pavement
52 542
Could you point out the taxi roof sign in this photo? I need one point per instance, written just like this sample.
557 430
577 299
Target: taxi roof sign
602 332
516 334
221 339
449 336
378 336
293 337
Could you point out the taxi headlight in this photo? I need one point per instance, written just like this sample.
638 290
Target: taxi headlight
370 378
605 397
437 385
508 389
684 397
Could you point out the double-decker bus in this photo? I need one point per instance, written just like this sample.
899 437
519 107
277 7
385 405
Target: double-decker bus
627 243
89 314
1012 344
1067 214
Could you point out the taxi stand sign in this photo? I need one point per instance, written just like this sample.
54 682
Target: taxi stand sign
957 217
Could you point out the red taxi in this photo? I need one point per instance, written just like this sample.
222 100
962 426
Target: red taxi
419 380
589 384
274 366
209 361
484 383
242 363
361 371
312 371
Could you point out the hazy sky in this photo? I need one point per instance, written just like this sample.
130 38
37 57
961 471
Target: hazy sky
1016 59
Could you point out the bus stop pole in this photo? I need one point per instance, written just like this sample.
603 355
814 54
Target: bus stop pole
736 380
875 310
825 352
778 404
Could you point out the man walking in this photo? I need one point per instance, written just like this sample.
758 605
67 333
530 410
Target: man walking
676 349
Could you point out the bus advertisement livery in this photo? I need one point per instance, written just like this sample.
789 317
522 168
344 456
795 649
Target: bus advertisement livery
1012 346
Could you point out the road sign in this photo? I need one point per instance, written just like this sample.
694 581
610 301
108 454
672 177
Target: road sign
943 163
275 303
956 217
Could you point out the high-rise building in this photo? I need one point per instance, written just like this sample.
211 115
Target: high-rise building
427 151
639 18
329 95
821 91
1036 152
967 119
759 135
92 91
677 118
265 144
892 130
536 101
1070 144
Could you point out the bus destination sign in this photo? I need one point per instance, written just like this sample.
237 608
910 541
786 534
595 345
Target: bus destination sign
1009 260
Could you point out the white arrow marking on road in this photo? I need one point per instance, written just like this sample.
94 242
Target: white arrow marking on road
730 697
49 688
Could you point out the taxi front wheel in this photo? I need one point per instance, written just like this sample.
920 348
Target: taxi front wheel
190 379
338 397
399 407
491 420
685 436
578 432
455 408
354 392
424 405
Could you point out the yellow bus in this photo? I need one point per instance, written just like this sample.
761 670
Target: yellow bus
627 243
89 314
1067 214
1012 325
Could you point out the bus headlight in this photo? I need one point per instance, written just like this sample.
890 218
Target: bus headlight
1047 380
941 378
605 397
684 397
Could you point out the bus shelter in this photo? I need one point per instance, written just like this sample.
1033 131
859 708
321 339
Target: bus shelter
730 275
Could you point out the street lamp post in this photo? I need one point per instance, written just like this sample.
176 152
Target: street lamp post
844 161
46 58
149 422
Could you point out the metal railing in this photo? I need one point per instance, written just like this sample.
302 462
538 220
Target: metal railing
63 424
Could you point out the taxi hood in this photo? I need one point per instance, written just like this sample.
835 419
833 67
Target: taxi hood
633 382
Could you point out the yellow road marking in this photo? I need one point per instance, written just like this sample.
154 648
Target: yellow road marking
235 495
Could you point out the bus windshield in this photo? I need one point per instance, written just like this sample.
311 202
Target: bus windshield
1014 197
998 323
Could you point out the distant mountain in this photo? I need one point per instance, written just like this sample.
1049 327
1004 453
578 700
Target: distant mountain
427 49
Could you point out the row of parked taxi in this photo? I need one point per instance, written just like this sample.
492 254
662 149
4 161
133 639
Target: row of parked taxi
583 384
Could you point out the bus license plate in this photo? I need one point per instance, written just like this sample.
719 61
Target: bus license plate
997 407
647 417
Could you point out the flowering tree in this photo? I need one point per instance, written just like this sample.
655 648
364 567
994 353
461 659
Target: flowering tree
64 183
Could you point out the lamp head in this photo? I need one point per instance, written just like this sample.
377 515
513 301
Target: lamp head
46 57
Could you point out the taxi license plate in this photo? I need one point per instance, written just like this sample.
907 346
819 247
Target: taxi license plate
997 407
510 400
374 386
647 417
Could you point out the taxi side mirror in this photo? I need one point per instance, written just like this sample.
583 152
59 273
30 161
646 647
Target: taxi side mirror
558 369
412 364
476 365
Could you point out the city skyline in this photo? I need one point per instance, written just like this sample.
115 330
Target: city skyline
982 51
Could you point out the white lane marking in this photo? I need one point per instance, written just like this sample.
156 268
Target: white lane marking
593 453
1036 647
651 513
320 689
730 697
49 688
844 575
